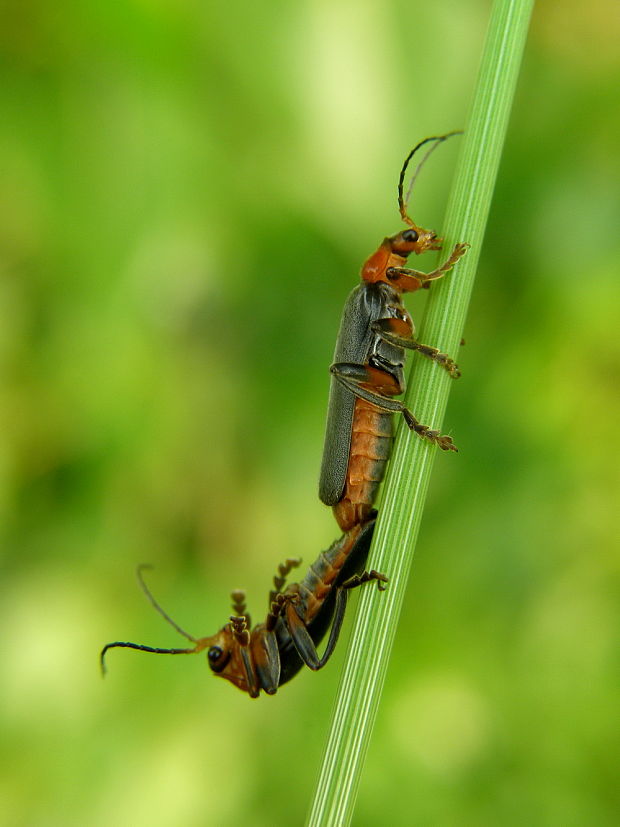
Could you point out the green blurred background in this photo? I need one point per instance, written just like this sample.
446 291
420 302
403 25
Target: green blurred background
188 191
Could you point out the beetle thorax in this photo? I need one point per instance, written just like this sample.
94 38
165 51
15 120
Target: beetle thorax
375 267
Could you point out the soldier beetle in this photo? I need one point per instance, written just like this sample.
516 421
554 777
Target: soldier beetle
298 618
366 374
368 366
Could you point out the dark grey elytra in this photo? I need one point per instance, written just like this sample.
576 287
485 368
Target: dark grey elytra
357 343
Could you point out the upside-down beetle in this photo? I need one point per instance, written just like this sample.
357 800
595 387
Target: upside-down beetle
298 618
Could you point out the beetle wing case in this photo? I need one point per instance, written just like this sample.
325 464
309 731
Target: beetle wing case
356 342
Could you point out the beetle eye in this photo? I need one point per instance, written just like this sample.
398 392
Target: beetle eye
217 658
410 235
214 654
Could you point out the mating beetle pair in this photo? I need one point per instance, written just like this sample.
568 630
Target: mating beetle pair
368 372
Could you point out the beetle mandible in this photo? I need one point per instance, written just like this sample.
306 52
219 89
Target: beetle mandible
368 367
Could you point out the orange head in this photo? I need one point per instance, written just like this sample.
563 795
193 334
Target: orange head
394 251
225 658
232 653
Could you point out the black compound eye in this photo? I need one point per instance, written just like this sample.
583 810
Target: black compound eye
410 235
217 658
214 654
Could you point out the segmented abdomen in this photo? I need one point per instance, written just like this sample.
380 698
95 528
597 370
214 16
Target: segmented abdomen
323 575
371 445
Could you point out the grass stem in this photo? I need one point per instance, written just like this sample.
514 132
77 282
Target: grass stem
408 476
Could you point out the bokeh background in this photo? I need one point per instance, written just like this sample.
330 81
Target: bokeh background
187 192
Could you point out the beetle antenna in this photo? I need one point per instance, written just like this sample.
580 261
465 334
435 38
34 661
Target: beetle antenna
164 614
403 203
429 152
141 648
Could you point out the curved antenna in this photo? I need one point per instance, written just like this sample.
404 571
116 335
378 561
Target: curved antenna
141 648
164 614
403 203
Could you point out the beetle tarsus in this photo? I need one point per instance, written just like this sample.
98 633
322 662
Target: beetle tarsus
284 570
239 628
238 602
365 577
458 252
423 431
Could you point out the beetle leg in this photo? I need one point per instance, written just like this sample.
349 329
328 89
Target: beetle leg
302 639
277 607
266 659
444 441
241 634
354 377
301 636
390 331
238 605
239 628
280 578
408 279
371 380
284 570
365 577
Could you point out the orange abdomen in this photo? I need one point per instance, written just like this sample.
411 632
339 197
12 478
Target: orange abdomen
371 445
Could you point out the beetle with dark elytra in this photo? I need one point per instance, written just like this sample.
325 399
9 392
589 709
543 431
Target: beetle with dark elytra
368 368
367 373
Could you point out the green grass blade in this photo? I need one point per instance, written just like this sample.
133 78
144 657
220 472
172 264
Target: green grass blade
409 472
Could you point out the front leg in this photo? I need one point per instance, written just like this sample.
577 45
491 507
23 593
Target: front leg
239 607
372 384
408 280
397 333
241 635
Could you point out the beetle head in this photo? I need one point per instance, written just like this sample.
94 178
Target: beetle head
413 240
394 251
224 655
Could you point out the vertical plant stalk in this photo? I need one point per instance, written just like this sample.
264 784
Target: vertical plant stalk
408 475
